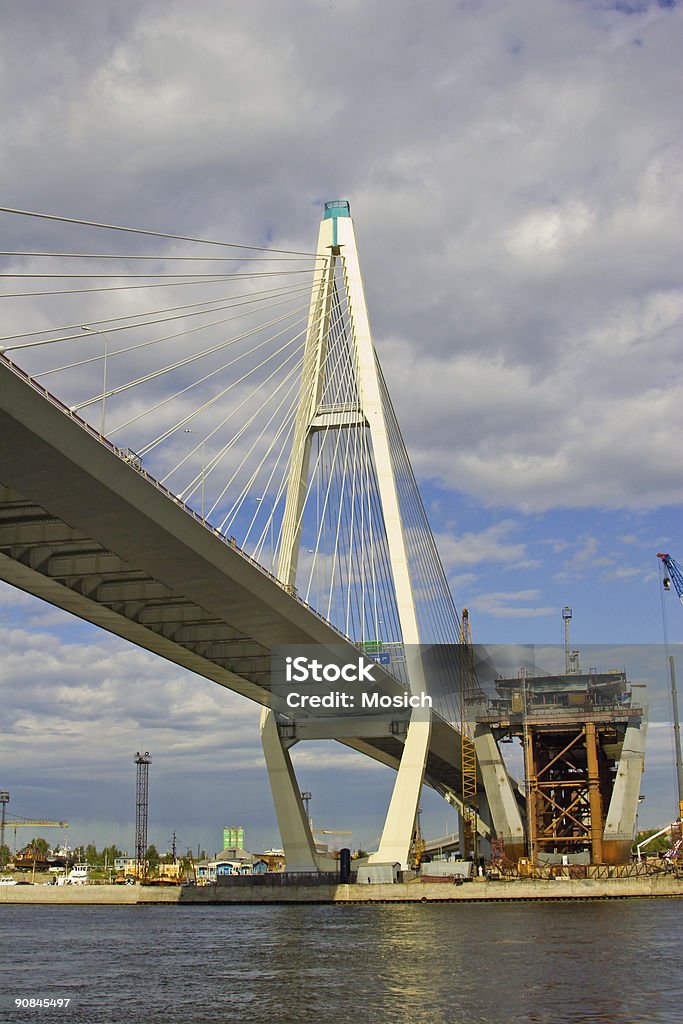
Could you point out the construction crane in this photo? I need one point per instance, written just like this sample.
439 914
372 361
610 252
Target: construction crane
306 798
35 823
328 832
418 845
470 694
19 822
673 573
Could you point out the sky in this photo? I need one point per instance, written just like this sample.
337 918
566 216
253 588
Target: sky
514 173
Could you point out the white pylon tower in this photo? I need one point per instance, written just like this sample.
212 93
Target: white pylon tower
337 249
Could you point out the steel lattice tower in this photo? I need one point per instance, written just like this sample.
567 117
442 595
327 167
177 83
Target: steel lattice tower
143 762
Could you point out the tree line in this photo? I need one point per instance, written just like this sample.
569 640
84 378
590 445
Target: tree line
103 858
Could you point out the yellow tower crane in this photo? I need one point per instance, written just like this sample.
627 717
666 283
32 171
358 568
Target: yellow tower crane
331 832
36 823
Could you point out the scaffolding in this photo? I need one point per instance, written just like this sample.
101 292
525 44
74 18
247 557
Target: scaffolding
573 729
569 787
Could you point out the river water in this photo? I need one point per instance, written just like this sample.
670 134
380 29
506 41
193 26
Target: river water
585 963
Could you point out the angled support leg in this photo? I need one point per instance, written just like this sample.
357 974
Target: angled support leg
295 831
399 825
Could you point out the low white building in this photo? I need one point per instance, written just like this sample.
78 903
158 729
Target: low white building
232 861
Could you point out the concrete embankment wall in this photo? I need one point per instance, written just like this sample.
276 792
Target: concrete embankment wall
412 892
72 894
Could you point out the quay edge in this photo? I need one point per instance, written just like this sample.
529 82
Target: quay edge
535 890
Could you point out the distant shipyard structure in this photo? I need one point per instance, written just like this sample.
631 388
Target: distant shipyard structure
583 738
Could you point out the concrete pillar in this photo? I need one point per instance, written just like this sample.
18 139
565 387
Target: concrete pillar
397 834
621 815
295 831
505 814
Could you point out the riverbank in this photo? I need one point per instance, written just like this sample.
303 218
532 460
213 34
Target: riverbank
648 887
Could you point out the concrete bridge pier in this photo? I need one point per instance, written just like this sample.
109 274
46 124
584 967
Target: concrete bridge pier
295 830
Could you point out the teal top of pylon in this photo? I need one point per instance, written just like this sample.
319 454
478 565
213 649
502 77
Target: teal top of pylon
337 208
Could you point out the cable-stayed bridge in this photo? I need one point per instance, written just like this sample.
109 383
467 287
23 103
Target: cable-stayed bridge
223 474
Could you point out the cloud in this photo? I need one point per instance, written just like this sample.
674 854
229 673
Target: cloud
504 605
80 708
625 572
588 552
487 545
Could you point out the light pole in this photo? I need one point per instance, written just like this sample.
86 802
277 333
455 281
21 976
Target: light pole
306 798
259 501
188 431
104 375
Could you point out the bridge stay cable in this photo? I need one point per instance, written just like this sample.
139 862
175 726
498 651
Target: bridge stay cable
293 437
131 317
282 296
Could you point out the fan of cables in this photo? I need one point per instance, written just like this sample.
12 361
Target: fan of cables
189 354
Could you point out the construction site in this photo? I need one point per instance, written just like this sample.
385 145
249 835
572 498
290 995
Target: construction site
565 812
574 811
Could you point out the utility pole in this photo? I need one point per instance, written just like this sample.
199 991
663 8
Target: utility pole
143 762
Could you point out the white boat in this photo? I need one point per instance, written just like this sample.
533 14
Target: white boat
79 875
8 880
